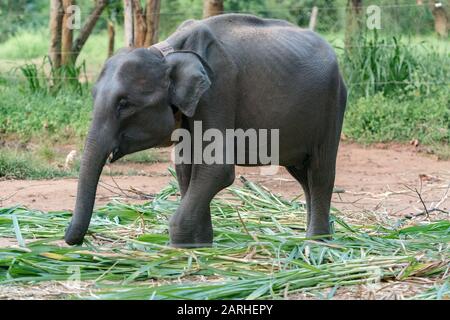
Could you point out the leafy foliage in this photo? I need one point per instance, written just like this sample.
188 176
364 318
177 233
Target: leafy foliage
66 77
407 77
388 65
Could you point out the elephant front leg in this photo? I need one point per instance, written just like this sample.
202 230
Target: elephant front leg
184 177
191 226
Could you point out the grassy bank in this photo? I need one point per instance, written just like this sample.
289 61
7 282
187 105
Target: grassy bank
26 165
45 162
380 119
57 118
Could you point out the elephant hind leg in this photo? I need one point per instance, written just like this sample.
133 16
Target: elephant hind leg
321 175
317 179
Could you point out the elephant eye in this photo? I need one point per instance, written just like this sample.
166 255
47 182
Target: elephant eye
122 104
124 108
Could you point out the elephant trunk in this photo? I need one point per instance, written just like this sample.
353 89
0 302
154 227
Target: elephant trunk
94 157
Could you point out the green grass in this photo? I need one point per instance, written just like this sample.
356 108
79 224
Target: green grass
381 119
47 162
25 45
146 156
61 116
25 165
47 152
261 256
393 66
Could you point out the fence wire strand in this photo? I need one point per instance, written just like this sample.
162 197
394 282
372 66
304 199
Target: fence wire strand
270 9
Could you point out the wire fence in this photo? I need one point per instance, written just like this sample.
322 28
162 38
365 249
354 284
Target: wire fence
90 76
292 7
395 18
394 13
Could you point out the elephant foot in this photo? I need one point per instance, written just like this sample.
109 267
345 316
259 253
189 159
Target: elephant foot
319 235
75 234
320 231
190 244
191 240
187 235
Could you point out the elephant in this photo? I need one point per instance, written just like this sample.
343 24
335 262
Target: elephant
231 71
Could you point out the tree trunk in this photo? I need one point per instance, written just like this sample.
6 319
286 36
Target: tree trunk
111 38
128 22
152 19
212 8
441 22
67 34
87 28
139 24
354 21
56 19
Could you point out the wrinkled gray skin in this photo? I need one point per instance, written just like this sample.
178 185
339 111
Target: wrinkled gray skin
231 71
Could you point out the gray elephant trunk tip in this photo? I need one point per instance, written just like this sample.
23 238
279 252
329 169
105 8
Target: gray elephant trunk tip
74 236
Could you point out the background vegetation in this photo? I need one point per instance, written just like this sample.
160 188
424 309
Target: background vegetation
398 77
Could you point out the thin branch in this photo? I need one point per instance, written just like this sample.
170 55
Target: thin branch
87 28
420 198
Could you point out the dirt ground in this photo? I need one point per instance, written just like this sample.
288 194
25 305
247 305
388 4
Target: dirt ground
380 183
382 179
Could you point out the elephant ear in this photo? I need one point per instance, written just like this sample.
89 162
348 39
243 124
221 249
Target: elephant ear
189 80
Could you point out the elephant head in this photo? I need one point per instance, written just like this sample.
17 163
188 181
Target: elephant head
134 99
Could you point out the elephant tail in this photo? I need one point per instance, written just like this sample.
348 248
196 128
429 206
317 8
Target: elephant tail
342 95
341 102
